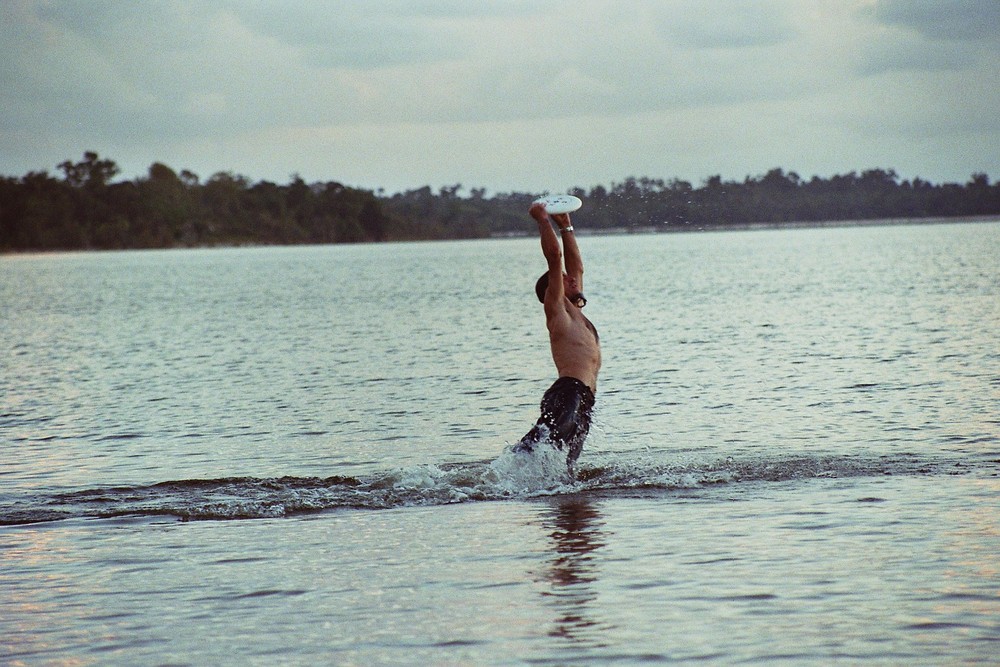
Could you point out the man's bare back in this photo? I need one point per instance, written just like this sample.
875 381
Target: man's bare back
575 347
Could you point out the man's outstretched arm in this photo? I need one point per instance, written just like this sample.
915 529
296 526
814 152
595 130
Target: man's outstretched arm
574 262
550 244
552 251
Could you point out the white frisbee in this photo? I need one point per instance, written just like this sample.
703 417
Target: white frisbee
559 203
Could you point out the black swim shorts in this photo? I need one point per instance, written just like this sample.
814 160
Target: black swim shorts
565 421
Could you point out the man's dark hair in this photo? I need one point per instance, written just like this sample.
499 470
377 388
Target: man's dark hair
541 286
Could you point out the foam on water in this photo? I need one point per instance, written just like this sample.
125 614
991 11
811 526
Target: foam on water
522 473
512 474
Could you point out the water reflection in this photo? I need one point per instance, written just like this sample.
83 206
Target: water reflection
40 591
576 533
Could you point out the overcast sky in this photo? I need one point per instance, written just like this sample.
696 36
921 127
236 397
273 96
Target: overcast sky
509 95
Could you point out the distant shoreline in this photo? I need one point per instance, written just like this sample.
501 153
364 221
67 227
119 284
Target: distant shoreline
582 231
759 226
87 209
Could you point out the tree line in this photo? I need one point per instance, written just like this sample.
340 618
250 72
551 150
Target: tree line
86 208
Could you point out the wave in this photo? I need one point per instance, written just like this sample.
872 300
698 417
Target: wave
510 476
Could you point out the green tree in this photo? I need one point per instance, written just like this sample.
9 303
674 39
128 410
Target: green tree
168 211
93 172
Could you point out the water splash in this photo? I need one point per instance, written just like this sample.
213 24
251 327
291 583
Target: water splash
512 475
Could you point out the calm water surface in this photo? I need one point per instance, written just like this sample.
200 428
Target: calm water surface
299 455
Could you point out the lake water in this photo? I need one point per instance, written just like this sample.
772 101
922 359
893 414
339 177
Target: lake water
300 455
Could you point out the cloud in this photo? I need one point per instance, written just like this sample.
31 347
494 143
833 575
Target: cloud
357 36
930 35
972 20
740 25
390 92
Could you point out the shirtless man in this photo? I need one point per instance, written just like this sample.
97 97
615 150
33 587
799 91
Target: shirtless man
567 405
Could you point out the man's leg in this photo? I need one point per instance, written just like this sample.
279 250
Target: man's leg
537 433
559 420
559 413
570 407
555 422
